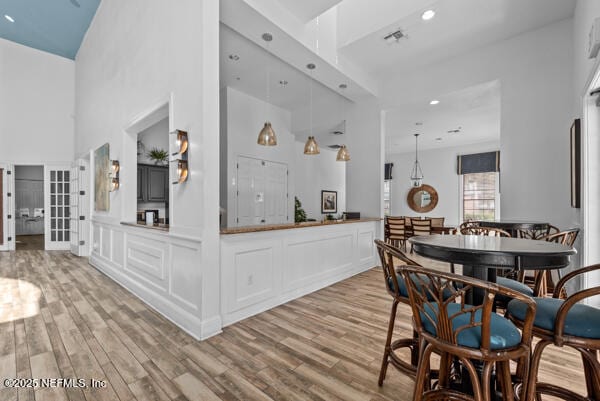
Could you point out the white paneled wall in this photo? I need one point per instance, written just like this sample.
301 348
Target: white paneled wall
158 267
265 269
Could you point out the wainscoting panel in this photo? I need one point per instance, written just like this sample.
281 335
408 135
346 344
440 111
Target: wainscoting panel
264 269
163 270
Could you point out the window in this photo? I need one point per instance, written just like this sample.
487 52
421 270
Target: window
387 197
479 196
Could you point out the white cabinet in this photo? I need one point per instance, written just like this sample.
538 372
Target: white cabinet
262 192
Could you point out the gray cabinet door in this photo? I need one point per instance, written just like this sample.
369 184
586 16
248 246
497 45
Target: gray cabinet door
141 183
157 178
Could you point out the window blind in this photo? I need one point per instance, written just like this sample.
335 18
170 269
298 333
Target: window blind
479 163
388 170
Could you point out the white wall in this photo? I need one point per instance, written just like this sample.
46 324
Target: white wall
314 173
155 136
536 73
439 169
36 105
246 116
364 171
122 70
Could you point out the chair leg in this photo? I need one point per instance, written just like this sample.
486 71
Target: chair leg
591 368
414 350
503 373
388 342
486 381
533 370
422 370
474 376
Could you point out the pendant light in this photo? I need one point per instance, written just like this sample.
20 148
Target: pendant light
343 155
266 136
416 175
311 147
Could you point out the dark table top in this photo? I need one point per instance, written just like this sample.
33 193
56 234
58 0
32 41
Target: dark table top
514 224
481 250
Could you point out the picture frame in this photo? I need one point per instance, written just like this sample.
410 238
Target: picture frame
101 178
328 202
575 154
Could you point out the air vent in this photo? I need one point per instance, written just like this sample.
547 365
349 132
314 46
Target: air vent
337 133
396 35
335 146
454 131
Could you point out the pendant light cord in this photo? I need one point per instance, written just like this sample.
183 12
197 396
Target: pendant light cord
311 102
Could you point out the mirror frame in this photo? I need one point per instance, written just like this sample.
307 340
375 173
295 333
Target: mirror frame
413 205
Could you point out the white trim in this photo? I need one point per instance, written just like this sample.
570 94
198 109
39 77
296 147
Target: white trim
8 207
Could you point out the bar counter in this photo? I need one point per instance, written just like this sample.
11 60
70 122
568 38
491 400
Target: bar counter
273 227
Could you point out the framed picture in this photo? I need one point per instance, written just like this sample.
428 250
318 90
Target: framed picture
101 178
328 202
576 164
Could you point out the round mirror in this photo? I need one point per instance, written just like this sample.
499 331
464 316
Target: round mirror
422 199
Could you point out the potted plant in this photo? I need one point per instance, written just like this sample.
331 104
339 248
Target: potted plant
299 213
159 156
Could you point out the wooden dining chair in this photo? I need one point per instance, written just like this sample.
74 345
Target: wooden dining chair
537 234
395 231
390 258
472 334
477 230
543 281
564 323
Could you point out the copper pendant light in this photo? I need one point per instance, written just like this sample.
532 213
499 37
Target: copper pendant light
343 155
311 147
266 136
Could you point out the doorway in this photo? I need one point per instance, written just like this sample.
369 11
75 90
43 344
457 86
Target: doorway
29 208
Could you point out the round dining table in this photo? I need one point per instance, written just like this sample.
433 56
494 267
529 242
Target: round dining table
482 255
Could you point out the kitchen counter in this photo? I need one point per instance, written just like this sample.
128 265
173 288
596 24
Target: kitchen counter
273 227
160 227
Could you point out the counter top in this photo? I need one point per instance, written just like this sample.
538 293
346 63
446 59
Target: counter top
253 229
159 227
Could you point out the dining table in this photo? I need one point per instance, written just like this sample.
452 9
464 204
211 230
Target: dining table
481 255
513 226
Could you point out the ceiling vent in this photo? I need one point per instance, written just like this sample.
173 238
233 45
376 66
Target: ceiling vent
337 133
335 146
455 131
394 36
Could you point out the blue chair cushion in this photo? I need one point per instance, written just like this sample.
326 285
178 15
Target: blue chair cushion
504 334
513 285
582 320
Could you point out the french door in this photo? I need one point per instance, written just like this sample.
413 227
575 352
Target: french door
57 191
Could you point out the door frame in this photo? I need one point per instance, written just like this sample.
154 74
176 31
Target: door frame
7 207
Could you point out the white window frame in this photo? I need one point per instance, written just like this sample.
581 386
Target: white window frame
461 200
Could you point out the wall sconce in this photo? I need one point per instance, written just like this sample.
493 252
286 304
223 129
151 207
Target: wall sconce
114 174
181 141
181 156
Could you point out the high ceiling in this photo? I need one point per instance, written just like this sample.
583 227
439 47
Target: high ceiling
54 26
459 26
248 74
474 111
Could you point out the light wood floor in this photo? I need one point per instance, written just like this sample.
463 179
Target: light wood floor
59 317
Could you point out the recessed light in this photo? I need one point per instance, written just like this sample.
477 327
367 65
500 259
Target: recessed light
343 86
438 139
8 17
234 57
283 82
427 15
434 102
